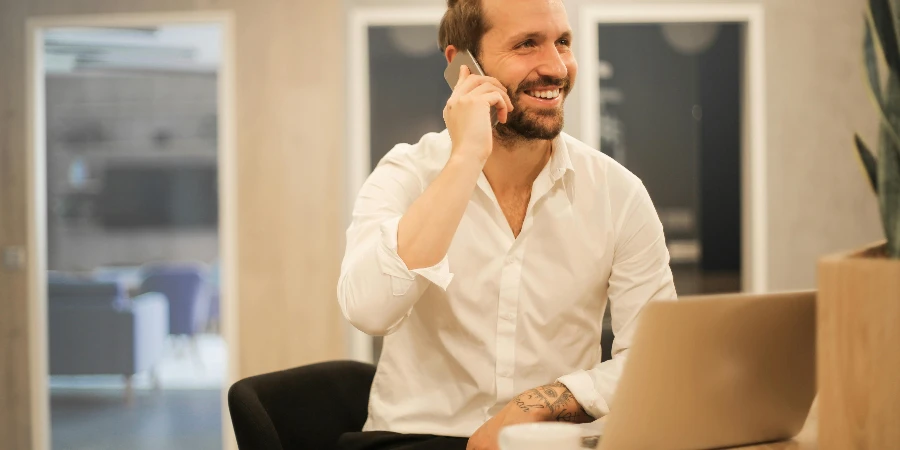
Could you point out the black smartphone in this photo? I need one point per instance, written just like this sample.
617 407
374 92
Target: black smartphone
451 74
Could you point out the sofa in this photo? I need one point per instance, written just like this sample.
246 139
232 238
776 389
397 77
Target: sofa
96 329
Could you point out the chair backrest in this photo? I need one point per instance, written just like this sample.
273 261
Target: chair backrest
305 408
184 287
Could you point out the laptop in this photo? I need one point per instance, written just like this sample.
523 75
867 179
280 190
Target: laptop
716 371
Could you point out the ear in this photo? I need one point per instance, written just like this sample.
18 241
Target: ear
450 52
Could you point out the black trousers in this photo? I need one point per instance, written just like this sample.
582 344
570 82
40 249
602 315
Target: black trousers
317 407
384 440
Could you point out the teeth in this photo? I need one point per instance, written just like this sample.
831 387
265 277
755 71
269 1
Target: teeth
546 94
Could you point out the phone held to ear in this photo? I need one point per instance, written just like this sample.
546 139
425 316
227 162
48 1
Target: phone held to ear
451 74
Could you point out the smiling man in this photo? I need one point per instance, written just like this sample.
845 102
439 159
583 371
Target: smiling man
486 256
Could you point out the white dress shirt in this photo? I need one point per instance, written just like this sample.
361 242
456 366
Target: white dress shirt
501 314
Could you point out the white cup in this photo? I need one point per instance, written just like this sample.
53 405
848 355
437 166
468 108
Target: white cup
541 436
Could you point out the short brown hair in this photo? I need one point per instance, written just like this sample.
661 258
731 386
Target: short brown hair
463 26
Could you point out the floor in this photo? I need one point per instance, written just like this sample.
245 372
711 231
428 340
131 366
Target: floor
167 419
186 364
92 412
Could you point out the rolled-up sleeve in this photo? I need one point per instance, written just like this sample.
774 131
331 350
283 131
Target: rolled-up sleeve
640 274
376 291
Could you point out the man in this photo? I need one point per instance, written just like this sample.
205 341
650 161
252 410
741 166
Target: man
486 256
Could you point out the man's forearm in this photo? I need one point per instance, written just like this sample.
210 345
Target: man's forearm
428 226
553 402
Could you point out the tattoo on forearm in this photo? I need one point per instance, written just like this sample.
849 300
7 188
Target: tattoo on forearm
566 407
562 407
532 399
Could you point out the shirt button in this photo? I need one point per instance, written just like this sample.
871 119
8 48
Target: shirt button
510 259
508 316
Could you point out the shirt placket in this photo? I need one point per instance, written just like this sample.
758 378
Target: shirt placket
508 305
510 281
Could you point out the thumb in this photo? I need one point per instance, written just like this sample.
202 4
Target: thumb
464 73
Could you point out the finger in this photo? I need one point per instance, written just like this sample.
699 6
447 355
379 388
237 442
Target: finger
495 99
484 88
464 73
507 100
471 82
474 80
502 115
495 82
464 80
504 106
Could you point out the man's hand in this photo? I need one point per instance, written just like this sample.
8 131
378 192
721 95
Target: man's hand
468 114
552 402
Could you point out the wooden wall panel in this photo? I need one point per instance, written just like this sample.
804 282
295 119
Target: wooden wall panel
289 130
15 407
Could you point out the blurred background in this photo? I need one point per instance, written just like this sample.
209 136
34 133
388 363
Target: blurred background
176 179
132 236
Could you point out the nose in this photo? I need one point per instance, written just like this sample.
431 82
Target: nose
552 64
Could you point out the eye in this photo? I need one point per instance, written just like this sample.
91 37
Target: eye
526 44
564 42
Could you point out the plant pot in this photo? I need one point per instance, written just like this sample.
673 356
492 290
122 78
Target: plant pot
858 344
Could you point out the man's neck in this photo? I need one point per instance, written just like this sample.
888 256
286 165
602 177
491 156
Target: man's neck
514 165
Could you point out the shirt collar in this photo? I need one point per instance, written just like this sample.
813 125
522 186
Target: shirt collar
560 166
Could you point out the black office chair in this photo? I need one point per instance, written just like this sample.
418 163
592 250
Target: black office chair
305 408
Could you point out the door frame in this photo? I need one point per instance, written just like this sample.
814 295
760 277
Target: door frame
358 136
754 212
35 122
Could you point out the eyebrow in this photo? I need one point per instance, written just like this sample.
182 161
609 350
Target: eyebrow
534 35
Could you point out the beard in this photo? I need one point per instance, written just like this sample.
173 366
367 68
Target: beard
530 124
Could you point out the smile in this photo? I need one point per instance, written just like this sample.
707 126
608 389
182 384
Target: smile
549 94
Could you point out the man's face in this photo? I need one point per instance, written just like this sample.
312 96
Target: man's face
528 49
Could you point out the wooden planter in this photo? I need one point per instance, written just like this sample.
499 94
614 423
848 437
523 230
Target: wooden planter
858 340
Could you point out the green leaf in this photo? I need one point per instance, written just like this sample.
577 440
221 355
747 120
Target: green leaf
889 195
882 16
883 102
890 117
868 162
871 62
887 125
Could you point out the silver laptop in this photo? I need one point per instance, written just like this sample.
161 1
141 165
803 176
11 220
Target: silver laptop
716 371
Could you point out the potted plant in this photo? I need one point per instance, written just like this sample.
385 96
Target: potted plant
859 292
